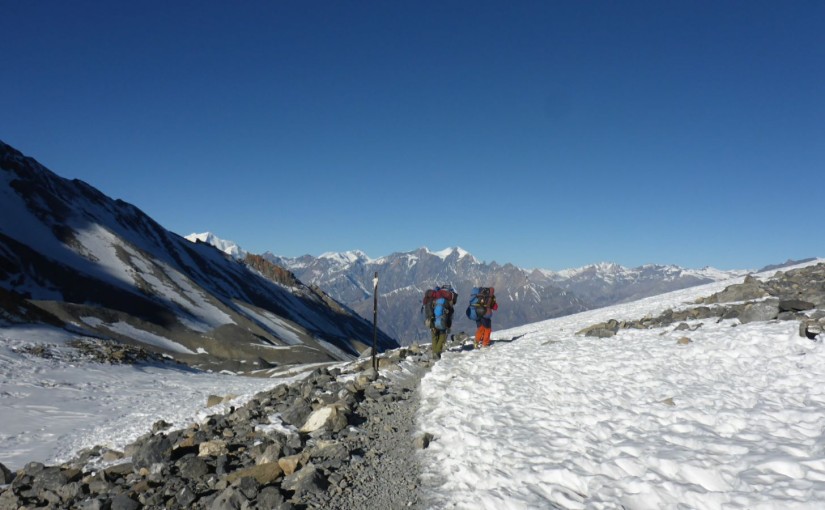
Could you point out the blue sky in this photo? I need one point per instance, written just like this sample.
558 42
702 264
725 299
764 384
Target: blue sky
546 134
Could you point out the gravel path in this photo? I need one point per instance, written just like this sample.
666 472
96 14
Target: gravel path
387 475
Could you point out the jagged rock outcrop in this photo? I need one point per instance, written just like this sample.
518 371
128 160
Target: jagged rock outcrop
798 294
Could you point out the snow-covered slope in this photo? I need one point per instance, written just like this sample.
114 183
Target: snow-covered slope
102 267
55 406
730 417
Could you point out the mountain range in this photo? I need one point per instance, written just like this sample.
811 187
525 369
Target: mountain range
72 257
524 295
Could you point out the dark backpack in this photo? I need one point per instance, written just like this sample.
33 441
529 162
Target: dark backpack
481 298
438 306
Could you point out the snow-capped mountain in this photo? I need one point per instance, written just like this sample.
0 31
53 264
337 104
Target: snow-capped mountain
608 283
228 247
524 295
73 257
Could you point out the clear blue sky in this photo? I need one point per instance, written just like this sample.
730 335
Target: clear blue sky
546 134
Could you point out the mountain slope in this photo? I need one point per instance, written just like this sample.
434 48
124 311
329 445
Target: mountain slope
105 268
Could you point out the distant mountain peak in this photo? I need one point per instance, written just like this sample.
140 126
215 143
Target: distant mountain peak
228 247
347 257
446 252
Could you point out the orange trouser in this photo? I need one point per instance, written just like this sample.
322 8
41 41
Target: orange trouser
483 335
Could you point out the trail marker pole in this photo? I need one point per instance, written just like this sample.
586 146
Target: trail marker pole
375 321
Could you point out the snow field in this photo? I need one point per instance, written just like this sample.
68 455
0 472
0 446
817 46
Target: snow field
733 420
51 409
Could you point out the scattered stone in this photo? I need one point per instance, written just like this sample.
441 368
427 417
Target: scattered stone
423 441
156 449
264 474
306 480
213 448
791 295
760 311
811 328
332 418
684 341
291 463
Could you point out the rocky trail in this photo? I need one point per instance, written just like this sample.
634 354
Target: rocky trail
343 438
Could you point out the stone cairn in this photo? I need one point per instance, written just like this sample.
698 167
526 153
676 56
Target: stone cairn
342 438
797 295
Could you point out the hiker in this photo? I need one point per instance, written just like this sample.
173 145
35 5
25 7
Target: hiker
482 305
439 305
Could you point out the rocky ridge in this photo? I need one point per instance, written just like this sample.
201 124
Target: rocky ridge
797 294
343 438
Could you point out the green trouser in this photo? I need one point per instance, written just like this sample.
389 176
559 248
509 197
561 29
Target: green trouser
439 340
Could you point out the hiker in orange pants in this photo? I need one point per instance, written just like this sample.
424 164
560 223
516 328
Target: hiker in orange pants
485 323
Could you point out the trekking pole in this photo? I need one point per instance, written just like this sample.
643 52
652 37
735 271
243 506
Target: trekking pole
375 321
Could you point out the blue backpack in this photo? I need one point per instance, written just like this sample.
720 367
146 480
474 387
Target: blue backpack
442 301
479 300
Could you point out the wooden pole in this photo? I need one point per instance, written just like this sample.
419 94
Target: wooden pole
375 321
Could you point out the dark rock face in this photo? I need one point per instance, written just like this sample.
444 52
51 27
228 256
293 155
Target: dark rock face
251 458
793 295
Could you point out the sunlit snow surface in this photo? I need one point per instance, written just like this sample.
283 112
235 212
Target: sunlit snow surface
735 419
51 409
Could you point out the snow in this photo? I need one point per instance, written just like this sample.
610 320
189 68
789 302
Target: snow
346 258
548 419
285 331
443 254
228 247
140 335
51 409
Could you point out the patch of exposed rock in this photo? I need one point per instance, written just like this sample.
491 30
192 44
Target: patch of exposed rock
340 439
798 295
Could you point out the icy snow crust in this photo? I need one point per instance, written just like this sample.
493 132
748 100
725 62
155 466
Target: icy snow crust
734 420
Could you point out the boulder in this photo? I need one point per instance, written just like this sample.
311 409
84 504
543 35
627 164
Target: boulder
811 328
332 418
297 413
271 454
192 468
156 449
272 499
213 448
124 502
750 289
291 463
230 499
308 479
759 312
264 474
795 305
423 441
